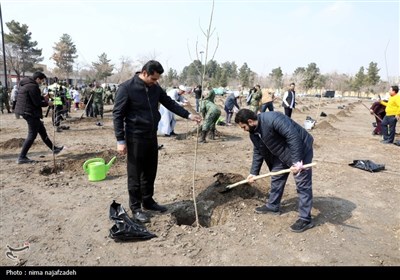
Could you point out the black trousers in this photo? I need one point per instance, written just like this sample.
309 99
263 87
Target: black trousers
35 127
142 170
288 112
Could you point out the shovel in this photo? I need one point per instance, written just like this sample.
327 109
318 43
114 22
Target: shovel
227 188
84 110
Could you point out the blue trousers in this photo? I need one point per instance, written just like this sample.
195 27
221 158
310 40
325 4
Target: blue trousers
268 105
303 185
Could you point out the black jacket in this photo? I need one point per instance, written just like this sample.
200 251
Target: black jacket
291 96
135 111
29 99
277 135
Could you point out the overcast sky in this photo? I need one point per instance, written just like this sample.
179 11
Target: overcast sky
336 35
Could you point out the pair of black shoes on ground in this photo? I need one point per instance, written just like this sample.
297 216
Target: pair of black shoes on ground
299 226
23 160
139 215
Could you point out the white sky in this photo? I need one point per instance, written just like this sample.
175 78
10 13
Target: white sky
338 36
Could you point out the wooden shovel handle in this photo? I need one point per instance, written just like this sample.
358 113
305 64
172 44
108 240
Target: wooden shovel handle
267 175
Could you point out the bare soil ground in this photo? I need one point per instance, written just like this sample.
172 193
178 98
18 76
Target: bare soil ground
64 217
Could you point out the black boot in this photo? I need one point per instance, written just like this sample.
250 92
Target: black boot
203 136
212 134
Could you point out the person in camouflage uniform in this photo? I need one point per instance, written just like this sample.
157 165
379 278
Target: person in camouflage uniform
4 99
256 99
98 103
210 113
88 100
109 95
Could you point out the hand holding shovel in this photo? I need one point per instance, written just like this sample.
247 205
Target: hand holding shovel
266 175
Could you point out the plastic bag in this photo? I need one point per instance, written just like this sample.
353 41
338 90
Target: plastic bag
367 165
126 229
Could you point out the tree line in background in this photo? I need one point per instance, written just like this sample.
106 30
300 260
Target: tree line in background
22 56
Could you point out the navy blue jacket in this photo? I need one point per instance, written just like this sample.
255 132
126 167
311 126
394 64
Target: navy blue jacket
135 112
277 135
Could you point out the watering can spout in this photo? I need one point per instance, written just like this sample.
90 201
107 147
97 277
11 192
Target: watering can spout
111 162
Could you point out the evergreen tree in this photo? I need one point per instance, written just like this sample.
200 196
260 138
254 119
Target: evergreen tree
276 77
359 80
372 78
311 75
103 67
21 52
244 75
64 54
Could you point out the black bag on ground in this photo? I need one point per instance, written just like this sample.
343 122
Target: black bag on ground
126 229
367 165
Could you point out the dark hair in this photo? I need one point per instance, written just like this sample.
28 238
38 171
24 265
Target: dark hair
39 75
395 89
244 115
292 84
153 66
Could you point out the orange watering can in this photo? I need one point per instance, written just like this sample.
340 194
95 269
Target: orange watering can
97 169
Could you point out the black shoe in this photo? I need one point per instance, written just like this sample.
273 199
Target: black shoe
160 146
155 207
265 210
173 133
167 135
57 150
301 225
65 127
140 216
25 160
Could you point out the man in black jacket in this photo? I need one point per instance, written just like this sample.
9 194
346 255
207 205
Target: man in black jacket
289 100
136 118
29 105
282 144
197 94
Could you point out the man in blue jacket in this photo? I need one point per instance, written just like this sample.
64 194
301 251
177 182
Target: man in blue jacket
136 118
282 144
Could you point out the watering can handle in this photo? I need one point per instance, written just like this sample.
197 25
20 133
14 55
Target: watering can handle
112 161
85 165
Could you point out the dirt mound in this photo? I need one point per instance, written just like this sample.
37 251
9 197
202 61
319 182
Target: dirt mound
333 118
13 143
342 114
324 125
